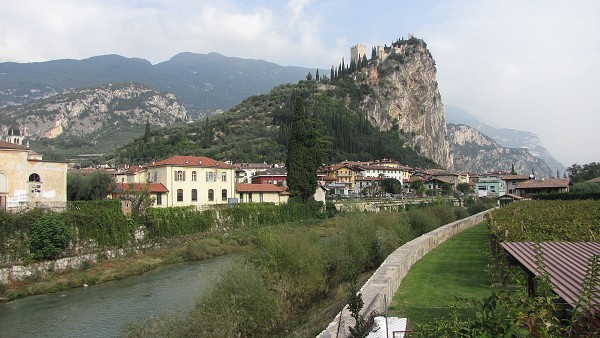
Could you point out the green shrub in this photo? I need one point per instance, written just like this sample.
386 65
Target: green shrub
49 237
422 221
240 305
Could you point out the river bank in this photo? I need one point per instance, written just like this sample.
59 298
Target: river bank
177 250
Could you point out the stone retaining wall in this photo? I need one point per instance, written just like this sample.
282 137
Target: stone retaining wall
379 290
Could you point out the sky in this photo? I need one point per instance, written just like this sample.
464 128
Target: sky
532 65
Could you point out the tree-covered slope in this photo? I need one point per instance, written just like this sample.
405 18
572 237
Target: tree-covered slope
258 129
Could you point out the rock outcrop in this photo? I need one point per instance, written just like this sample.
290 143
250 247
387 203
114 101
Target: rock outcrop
86 111
476 152
404 96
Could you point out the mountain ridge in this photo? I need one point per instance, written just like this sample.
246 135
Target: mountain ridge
196 78
506 137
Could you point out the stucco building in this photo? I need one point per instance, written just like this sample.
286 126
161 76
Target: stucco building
27 181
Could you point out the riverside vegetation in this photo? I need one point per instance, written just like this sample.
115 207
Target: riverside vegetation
297 275
303 257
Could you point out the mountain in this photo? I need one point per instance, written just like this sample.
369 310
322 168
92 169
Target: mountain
511 138
387 107
205 82
92 120
475 152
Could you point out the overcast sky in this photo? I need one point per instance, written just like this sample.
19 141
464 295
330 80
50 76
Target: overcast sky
529 65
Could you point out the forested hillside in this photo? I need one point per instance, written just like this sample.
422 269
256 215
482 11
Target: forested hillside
258 129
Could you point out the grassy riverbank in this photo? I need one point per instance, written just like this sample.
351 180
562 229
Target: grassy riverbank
455 269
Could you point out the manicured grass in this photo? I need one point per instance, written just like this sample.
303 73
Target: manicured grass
456 268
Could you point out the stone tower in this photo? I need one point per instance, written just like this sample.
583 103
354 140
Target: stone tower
357 51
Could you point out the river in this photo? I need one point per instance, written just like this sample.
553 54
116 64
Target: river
103 310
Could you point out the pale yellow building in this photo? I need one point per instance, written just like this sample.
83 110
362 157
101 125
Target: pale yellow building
262 193
27 181
192 180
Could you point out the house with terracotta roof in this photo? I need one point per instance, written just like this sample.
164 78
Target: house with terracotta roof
28 181
345 176
529 187
511 182
193 180
261 193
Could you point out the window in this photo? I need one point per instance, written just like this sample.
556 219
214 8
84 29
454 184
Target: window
241 197
155 178
211 176
180 175
250 197
194 195
224 176
159 199
211 195
194 176
179 195
34 178
224 195
260 197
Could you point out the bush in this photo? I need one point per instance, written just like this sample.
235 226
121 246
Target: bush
241 305
422 221
50 236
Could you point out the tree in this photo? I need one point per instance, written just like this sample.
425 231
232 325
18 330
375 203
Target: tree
581 173
512 169
317 77
309 77
392 185
141 200
463 187
89 187
304 153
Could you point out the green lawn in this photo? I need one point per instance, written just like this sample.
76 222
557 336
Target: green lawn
456 268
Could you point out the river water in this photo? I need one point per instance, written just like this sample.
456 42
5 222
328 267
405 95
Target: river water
103 310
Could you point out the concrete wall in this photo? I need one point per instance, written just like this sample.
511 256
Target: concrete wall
379 290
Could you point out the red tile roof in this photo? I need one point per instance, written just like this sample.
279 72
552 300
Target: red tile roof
566 263
595 180
243 187
153 187
191 161
547 183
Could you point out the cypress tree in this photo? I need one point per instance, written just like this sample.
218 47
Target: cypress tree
332 76
317 77
304 154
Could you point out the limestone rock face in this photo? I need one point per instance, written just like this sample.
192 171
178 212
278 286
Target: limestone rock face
404 96
82 112
475 152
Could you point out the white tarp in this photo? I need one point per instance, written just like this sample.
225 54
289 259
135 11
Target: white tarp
395 327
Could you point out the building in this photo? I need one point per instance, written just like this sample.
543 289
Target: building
511 182
193 181
345 177
261 193
529 187
27 181
275 175
489 186
158 192
357 51
245 171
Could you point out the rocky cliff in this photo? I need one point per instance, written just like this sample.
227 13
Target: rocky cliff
404 96
475 152
94 116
